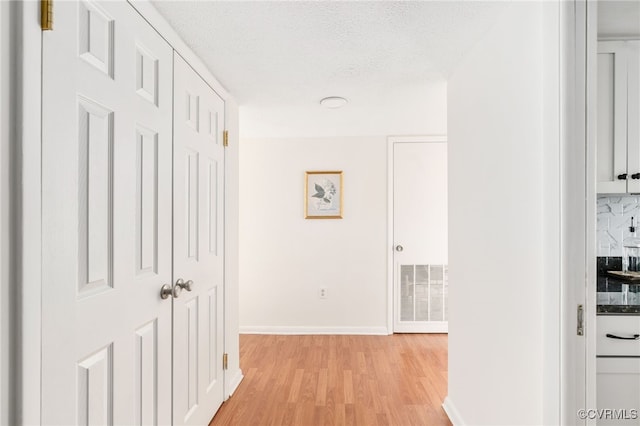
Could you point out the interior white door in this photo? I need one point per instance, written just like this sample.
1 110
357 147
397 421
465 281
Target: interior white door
198 247
106 203
420 236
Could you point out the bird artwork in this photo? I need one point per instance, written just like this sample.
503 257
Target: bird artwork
325 190
321 194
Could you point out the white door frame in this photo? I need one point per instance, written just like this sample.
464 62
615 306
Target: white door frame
5 201
577 198
27 211
26 208
390 237
591 115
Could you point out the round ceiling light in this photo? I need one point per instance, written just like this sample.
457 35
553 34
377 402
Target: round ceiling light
333 102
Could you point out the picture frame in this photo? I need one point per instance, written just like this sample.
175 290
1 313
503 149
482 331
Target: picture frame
323 194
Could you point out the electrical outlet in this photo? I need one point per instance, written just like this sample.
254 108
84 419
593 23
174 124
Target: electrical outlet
322 293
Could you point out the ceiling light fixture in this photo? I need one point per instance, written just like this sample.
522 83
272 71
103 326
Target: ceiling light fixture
333 102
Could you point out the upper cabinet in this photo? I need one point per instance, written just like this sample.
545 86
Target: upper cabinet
618 128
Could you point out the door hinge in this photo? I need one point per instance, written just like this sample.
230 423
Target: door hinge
580 330
225 361
46 15
225 138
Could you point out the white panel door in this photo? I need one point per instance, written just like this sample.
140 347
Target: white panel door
198 218
420 236
106 203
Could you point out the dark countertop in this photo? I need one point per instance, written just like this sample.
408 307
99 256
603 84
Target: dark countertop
618 310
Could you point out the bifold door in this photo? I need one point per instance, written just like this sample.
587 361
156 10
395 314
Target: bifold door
106 202
114 351
198 247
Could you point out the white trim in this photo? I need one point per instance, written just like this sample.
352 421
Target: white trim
390 242
552 214
452 412
231 249
617 38
576 387
27 186
390 238
591 204
360 331
6 131
233 383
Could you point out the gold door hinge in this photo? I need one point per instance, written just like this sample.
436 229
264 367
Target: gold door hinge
225 138
225 361
46 14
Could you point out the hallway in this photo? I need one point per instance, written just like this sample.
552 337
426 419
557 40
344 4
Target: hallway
339 380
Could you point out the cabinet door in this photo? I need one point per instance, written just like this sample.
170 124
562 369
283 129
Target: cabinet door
612 119
618 391
633 113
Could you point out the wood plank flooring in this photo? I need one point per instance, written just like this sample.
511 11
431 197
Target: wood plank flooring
392 380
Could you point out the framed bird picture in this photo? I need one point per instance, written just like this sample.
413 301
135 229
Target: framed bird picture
323 195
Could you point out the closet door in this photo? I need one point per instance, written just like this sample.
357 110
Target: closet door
106 202
198 256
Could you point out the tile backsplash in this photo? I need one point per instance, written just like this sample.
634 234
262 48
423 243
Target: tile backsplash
613 222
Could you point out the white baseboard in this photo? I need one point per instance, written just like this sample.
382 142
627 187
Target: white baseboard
452 412
382 331
234 382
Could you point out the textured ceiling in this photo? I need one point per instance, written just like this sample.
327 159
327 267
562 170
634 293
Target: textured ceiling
290 54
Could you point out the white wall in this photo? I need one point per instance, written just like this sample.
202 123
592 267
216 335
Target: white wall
285 259
497 107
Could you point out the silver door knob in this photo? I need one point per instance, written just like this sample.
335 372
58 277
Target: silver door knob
166 291
399 248
184 285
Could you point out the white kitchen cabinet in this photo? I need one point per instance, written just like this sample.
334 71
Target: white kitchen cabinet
617 370
618 391
618 99
615 335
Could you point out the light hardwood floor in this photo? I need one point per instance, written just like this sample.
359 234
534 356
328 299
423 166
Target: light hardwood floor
339 380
